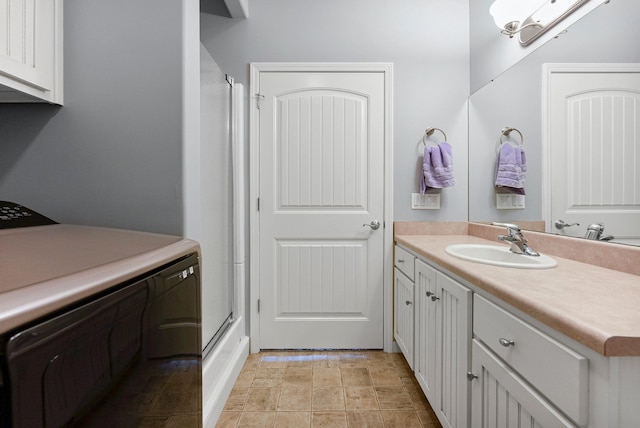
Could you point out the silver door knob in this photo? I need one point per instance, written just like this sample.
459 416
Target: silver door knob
561 224
375 225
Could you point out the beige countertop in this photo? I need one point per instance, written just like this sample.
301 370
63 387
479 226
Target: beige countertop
596 306
44 268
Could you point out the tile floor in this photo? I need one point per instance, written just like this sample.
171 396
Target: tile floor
327 389
159 393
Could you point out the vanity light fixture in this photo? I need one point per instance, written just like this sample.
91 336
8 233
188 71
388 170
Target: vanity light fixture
531 18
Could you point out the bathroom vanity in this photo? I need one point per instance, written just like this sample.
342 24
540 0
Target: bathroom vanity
494 346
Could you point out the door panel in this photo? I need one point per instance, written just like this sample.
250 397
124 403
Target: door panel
595 153
501 399
321 151
426 366
321 279
404 315
453 332
321 179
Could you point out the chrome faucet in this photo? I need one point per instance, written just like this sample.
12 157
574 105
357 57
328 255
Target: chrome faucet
594 232
516 239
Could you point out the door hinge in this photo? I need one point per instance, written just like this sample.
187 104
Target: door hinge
258 204
259 98
258 305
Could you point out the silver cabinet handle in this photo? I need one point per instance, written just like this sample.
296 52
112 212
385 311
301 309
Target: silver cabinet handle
408 302
434 298
375 225
506 342
400 261
429 294
471 376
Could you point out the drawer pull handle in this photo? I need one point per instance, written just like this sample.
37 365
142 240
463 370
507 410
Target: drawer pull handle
506 342
429 294
400 261
434 298
471 376
408 302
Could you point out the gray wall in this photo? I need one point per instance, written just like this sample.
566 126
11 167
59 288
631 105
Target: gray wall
112 155
431 68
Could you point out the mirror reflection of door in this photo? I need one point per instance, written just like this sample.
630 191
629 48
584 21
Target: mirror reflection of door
593 118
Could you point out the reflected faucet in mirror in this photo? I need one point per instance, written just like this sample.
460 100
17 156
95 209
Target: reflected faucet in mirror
595 231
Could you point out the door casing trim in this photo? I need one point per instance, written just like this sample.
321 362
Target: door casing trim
254 186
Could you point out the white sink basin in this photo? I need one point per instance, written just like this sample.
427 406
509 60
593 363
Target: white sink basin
498 255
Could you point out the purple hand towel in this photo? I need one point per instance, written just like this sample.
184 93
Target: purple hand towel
511 168
437 167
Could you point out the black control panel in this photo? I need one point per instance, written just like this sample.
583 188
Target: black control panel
14 215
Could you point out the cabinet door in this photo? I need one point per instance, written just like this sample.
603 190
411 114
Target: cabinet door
453 337
501 399
403 315
31 47
425 329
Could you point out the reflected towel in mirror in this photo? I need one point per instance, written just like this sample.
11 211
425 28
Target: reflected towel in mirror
511 168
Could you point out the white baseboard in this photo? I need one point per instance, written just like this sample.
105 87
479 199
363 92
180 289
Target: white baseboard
220 370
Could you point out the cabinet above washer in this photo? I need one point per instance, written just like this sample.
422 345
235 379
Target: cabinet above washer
31 59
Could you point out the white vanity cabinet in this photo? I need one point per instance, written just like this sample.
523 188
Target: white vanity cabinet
403 320
522 376
443 334
31 51
489 361
502 399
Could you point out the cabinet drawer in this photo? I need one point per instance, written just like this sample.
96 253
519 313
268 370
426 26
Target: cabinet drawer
405 261
556 371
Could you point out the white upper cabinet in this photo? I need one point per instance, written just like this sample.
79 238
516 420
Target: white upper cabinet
31 51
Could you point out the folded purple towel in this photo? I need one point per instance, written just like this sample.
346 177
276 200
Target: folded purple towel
437 167
511 168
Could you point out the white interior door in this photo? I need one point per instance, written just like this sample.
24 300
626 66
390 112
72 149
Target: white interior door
321 179
594 151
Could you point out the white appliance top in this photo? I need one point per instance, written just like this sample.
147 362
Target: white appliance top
45 268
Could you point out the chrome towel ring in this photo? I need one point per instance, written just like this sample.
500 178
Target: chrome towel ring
506 132
429 132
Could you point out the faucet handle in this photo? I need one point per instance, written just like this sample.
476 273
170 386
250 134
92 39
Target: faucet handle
510 226
516 239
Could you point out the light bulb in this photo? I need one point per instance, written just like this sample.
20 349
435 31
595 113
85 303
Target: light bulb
506 12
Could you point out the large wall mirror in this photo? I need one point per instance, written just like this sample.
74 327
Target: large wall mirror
607 34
